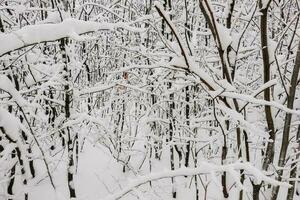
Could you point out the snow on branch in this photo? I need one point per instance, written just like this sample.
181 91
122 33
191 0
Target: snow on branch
70 27
184 51
10 125
190 64
10 128
251 99
83 117
7 86
205 168
96 89
100 88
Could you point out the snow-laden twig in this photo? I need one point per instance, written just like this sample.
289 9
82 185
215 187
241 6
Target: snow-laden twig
270 83
251 99
95 89
205 168
39 33
184 51
7 86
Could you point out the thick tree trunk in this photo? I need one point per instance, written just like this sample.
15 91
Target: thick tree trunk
269 155
287 122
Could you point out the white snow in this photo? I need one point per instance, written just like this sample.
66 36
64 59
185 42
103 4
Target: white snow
205 168
7 86
70 27
10 124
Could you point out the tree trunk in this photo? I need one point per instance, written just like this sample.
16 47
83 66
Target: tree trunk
287 122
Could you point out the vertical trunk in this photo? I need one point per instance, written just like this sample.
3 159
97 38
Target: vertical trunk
287 122
267 92
230 13
70 143
171 133
294 168
12 179
21 162
224 177
256 189
196 176
16 153
269 155
187 117
29 150
1 26
231 5
247 159
187 95
71 164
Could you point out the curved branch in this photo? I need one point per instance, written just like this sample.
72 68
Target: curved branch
34 34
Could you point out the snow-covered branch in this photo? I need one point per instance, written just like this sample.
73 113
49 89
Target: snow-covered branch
39 33
205 168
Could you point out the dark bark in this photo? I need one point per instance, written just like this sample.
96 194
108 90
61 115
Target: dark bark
267 92
70 141
256 189
12 180
269 154
287 122
294 168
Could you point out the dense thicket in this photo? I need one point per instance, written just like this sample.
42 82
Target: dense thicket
208 85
